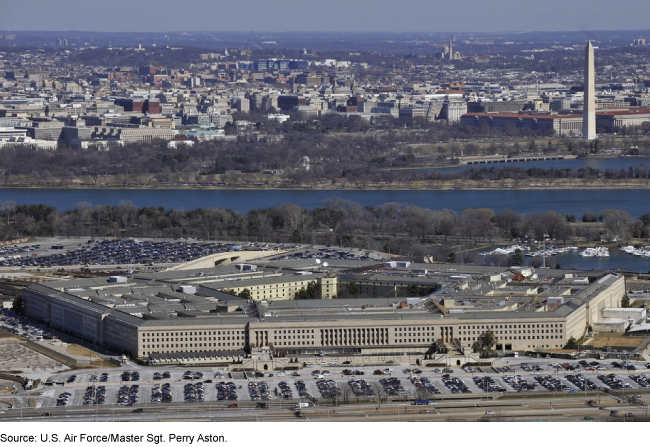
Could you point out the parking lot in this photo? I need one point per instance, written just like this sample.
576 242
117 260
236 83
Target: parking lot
147 386
108 252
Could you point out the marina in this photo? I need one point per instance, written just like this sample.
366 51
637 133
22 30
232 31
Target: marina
644 251
596 252
573 258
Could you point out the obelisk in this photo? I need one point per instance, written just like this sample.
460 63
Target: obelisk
589 110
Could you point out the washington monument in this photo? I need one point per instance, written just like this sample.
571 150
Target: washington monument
589 109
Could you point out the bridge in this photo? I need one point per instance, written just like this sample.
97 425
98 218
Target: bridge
513 160
225 259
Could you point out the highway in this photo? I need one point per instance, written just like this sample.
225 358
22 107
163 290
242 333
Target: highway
523 409
568 404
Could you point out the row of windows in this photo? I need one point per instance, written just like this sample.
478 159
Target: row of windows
152 340
426 331
412 329
524 331
519 337
271 286
291 337
304 331
203 345
167 334
511 326
157 352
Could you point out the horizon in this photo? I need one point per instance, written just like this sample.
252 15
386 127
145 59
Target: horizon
325 31
506 16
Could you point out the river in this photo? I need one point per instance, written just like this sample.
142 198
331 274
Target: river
634 201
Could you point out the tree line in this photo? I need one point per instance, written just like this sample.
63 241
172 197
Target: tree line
394 228
338 150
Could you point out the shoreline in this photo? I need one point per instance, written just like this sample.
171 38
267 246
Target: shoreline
539 187
256 184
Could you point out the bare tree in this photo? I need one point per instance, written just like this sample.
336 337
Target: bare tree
346 393
381 396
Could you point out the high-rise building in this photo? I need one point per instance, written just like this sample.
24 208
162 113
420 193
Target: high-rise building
452 110
589 110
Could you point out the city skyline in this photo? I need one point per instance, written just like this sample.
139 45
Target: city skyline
494 16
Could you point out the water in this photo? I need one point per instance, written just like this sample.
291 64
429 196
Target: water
634 201
575 164
617 260
565 202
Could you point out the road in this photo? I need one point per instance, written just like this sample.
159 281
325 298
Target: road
563 409
510 405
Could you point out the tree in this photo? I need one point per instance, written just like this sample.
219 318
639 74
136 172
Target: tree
590 216
422 392
625 301
346 393
417 290
572 341
312 292
517 258
246 294
353 290
379 392
617 222
488 339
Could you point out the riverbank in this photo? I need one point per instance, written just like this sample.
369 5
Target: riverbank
429 185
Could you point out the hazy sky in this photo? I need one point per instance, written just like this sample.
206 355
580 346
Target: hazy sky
329 15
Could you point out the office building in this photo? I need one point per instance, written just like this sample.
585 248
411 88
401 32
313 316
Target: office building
139 105
6 132
286 102
453 110
194 311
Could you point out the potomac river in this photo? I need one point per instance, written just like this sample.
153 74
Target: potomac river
634 201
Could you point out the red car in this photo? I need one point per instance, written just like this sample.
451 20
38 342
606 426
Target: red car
130 404
233 406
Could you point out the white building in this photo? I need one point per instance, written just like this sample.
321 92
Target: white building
452 110
6 132
96 144
203 135
177 142
619 319
27 141
279 117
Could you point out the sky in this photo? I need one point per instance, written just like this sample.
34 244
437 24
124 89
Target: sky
319 15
